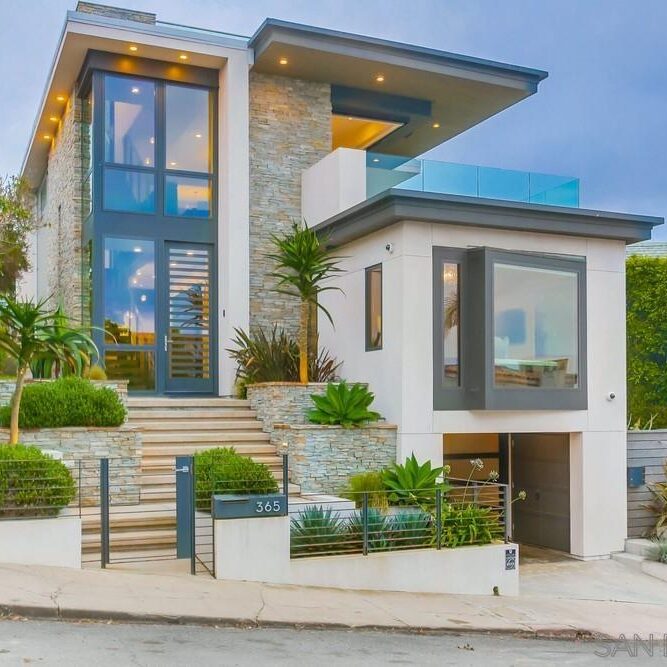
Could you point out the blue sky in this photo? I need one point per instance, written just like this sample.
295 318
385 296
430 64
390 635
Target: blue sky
601 115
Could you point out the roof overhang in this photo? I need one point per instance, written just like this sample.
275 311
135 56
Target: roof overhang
463 91
394 206
84 32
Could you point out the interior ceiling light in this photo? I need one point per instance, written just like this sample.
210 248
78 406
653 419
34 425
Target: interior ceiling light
134 47
198 135
283 61
183 56
137 248
134 90
379 78
436 125
376 159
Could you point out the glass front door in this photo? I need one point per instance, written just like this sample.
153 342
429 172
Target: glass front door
187 325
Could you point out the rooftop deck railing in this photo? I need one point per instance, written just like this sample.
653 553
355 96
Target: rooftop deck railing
390 171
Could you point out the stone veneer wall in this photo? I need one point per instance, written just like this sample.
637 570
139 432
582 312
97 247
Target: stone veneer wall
60 233
120 386
290 130
322 458
82 447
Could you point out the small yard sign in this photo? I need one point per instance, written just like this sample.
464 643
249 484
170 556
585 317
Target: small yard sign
510 559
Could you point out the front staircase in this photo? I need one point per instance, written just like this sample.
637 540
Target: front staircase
172 427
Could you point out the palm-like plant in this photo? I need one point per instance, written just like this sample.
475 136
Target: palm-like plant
28 331
303 264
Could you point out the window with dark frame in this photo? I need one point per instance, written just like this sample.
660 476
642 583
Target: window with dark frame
374 308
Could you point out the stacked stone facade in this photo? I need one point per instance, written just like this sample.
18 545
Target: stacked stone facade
290 130
59 237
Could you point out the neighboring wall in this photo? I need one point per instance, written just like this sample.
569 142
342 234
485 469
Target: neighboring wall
648 450
57 245
290 130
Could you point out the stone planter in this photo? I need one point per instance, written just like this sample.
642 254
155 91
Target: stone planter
81 448
322 458
47 541
119 386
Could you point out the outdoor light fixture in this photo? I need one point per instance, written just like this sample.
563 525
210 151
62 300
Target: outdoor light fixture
54 119
61 98
198 135
47 136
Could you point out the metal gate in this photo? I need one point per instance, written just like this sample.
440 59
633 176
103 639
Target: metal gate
153 514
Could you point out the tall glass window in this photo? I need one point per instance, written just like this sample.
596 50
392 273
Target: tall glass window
129 121
535 327
451 320
374 307
188 128
129 291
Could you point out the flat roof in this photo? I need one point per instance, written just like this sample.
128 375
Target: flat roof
462 90
392 206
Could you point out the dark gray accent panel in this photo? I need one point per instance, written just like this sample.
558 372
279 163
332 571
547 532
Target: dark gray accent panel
541 468
392 206
348 101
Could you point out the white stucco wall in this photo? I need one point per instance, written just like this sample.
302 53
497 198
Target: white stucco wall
259 550
401 373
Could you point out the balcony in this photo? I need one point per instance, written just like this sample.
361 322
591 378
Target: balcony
389 171
347 177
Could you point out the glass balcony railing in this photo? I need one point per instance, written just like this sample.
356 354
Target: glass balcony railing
390 171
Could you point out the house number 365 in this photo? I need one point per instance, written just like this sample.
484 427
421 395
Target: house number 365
268 506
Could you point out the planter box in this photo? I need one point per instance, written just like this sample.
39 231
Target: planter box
241 547
322 458
49 541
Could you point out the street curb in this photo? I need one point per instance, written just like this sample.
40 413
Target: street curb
53 613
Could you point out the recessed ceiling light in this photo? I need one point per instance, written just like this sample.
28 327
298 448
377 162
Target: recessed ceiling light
183 56
379 78
143 298
376 159
134 47
61 98
53 119
134 90
198 135
283 61
137 248
147 161
151 140
172 164
436 125
47 136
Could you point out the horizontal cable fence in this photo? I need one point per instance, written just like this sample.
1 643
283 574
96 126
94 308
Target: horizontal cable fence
455 514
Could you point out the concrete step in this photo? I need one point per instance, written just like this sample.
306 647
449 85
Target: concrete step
209 414
136 540
209 438
631 560
197 425
639 546
185 402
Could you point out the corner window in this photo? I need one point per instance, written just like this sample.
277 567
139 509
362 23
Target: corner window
509 330
374 308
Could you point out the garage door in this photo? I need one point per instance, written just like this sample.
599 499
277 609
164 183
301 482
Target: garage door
541 467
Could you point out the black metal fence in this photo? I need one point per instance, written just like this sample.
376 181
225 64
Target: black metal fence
457 514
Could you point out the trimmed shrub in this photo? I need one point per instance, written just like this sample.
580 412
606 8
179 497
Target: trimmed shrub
646 280
370 483
68 401
32 483
222 470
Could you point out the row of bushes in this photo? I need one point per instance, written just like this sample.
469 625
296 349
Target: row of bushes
67 401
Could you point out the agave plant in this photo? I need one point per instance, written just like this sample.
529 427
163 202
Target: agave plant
29 331
344 405
379 530
303 265
318 530
410 528
412 483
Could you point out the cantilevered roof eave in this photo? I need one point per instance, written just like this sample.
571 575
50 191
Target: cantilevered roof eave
392 206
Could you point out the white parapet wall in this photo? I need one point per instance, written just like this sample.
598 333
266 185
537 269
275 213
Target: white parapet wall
259 550
50 541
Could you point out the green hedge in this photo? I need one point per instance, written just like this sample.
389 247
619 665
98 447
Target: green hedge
68 401
646 279
32 483
222 470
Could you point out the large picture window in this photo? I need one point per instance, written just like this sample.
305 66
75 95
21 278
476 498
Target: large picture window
509 330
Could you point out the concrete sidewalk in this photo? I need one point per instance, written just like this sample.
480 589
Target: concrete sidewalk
112 595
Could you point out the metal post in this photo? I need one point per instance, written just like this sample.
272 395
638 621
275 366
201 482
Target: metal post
438 518
286 481
193 518
104 512
364 521
507 511
80 502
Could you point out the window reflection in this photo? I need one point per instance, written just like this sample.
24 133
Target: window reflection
129 121
187 197
138 367
451 319
188 120
374 308
535 319
129 291
130 191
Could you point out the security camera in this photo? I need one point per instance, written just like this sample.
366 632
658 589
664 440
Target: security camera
389 247
611 396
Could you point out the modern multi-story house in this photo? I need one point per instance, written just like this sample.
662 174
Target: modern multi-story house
484 307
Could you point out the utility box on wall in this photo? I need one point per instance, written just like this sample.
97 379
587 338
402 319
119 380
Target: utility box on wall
636 476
